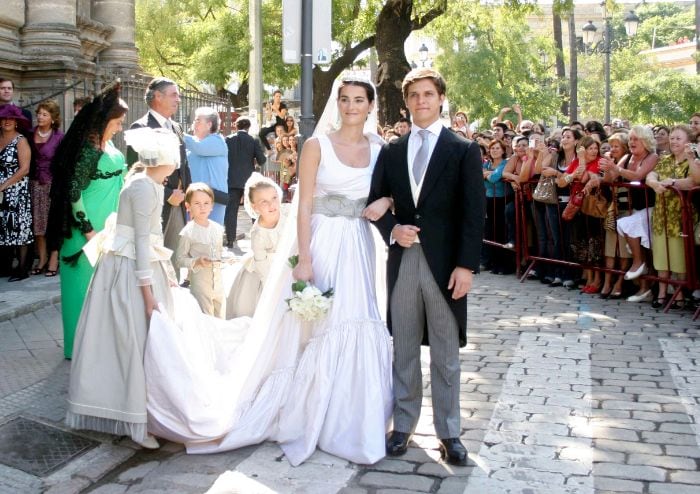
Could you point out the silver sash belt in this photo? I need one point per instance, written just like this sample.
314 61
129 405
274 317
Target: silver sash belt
337 205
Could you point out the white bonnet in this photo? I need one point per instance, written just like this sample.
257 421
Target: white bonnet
254 180
154 146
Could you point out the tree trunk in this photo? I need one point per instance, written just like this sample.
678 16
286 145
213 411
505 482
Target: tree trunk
393 26
573 68
559 57
238 99
323 79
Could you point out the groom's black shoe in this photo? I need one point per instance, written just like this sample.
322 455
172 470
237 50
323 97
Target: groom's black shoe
453 451
397 443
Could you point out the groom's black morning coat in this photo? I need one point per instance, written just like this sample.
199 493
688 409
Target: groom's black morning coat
450 211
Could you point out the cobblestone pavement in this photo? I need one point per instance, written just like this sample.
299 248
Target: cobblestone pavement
561 393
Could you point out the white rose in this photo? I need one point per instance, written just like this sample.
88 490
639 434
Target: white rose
294 304
322 303
306 294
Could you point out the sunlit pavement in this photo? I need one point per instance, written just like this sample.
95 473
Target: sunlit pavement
561 393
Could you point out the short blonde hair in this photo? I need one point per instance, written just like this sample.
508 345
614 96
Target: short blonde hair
646 135
198 187
620 137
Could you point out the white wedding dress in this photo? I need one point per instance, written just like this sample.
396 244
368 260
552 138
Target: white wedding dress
219 385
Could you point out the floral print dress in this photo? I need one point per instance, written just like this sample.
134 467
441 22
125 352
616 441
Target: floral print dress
667 215
15 206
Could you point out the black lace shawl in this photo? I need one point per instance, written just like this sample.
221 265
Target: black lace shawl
75 164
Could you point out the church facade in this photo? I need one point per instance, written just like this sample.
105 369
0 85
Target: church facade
62 48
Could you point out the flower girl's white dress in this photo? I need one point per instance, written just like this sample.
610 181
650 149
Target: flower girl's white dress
325 384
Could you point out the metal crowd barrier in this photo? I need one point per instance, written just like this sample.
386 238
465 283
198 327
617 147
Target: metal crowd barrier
692 204
528 255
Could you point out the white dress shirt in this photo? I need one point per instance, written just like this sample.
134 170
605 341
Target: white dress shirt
414 143
166 123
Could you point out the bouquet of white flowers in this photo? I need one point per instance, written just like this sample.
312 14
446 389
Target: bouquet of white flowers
307 301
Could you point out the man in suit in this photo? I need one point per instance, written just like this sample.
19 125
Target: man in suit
7 93
163 98
434 238
243 153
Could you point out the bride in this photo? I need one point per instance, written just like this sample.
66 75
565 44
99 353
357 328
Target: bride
324 384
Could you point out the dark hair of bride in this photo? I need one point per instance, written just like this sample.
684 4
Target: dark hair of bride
369 89
75 163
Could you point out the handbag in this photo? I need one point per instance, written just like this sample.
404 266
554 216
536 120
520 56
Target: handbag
610 222
546 191
573 206
595 205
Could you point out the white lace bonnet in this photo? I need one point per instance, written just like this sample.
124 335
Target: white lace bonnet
154 146
257 179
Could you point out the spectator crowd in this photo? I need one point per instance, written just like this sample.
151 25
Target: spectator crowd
607 208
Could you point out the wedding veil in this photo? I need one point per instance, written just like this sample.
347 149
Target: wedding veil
277 286
330 118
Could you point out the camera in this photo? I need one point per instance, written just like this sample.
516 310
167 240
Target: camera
694 147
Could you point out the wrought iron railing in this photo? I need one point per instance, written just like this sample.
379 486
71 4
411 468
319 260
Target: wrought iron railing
133 91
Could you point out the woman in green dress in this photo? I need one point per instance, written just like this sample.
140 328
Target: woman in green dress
90 173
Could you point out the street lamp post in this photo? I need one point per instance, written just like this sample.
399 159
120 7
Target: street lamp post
631 22
423 54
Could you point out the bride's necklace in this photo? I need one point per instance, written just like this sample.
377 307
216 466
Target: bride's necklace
43 135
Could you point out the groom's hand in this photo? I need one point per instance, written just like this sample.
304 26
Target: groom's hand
461 282
405 235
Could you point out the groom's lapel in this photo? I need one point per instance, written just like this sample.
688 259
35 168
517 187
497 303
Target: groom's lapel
402 168
437 163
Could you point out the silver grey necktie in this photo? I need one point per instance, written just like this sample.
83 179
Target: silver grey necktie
420 162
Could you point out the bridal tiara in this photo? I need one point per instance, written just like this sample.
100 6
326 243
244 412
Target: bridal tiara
356 79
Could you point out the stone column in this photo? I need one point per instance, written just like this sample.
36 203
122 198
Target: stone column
50 32
11 19
121 53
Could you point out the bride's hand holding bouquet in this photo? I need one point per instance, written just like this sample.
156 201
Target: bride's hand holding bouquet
307 301
301 268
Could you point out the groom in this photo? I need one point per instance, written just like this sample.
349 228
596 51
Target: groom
434 238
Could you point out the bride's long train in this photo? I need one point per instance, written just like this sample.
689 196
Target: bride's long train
218 385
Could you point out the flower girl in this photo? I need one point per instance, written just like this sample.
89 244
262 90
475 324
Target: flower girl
132 280
262 201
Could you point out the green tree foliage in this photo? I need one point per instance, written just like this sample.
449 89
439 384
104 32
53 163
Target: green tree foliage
641 91
492 60
669 97
489 56
205 42
663 24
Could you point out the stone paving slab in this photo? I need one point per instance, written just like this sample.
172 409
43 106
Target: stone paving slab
26 296
560 392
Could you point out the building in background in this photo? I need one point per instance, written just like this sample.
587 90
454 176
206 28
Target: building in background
65 48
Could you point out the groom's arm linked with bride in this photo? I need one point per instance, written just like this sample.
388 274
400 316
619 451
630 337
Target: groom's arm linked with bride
434 237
